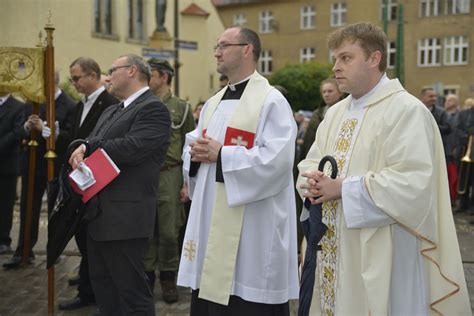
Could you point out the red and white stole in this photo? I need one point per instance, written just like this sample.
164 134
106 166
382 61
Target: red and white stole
226 222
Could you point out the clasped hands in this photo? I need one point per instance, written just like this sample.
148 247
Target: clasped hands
320 188
205 150
34 122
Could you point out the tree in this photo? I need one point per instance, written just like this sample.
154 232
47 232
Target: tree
301 82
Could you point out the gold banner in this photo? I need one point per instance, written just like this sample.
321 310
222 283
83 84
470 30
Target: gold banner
21 70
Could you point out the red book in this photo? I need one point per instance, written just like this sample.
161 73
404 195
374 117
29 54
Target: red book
104 170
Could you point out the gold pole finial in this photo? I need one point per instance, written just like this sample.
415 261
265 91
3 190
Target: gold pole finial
40 39
49 18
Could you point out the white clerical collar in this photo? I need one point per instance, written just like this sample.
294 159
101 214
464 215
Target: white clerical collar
90 99
362 101
232 86
4 99
134 96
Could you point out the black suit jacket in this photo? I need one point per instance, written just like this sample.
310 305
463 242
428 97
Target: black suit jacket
11 120
103 101
64 109
74 128
466 129
136 139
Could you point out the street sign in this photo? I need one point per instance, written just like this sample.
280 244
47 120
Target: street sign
187 45
158 53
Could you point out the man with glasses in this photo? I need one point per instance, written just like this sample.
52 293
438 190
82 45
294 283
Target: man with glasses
85 76
239 254
135 134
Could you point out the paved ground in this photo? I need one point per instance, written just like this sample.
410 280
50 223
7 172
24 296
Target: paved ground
24 291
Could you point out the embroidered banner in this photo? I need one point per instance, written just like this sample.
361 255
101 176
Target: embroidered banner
21 70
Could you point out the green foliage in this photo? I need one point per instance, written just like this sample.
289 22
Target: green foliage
301 81
69 89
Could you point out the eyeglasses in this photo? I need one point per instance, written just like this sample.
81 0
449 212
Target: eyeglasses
112 70
77 78
224 46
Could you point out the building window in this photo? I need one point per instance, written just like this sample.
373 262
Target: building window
239 19
392 7
306 54
136 27
103 17
338 14
450 89
266 62
455 50
332 58
308 17
429 52
429 8
266 22
391 55
457 6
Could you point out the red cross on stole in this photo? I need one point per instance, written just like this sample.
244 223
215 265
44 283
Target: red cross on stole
236 137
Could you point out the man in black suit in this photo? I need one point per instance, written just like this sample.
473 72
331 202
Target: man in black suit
11 119
86 78
64 107
135 134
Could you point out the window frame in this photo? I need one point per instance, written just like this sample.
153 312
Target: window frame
451 49
265 22
425 48
265 62
338 10
308 15
306 56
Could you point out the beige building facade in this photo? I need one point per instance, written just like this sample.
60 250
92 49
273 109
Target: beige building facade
106 29
437 46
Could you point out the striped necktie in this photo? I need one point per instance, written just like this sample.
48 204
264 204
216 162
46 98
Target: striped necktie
117 110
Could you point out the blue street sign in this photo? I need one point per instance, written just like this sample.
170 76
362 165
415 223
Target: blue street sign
187 45
158 53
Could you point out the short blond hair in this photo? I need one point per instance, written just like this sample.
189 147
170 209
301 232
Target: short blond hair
369 36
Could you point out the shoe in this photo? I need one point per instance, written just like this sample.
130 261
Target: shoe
15 262
169 291
5 249
74 280
74 303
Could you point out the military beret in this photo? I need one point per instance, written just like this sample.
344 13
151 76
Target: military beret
161 64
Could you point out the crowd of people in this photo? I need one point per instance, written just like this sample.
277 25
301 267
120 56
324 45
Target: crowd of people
206 198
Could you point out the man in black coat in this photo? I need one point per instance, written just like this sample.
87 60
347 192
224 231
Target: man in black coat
85 76
135 134
11 120
64 108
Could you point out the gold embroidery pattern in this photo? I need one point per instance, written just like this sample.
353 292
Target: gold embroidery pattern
328 257
190 250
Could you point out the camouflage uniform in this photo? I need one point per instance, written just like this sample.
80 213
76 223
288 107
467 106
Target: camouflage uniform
164 249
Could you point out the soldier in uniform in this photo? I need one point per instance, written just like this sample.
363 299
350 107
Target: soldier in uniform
163 250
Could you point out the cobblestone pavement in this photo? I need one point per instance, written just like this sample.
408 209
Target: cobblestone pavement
24 291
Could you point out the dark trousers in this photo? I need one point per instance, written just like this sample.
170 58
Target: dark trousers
7 202
38 192
467 199
236 307
85 287
118 277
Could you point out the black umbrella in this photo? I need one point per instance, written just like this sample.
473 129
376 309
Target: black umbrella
314 230
67 212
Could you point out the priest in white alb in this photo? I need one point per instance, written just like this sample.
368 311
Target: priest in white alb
391 246
239 252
